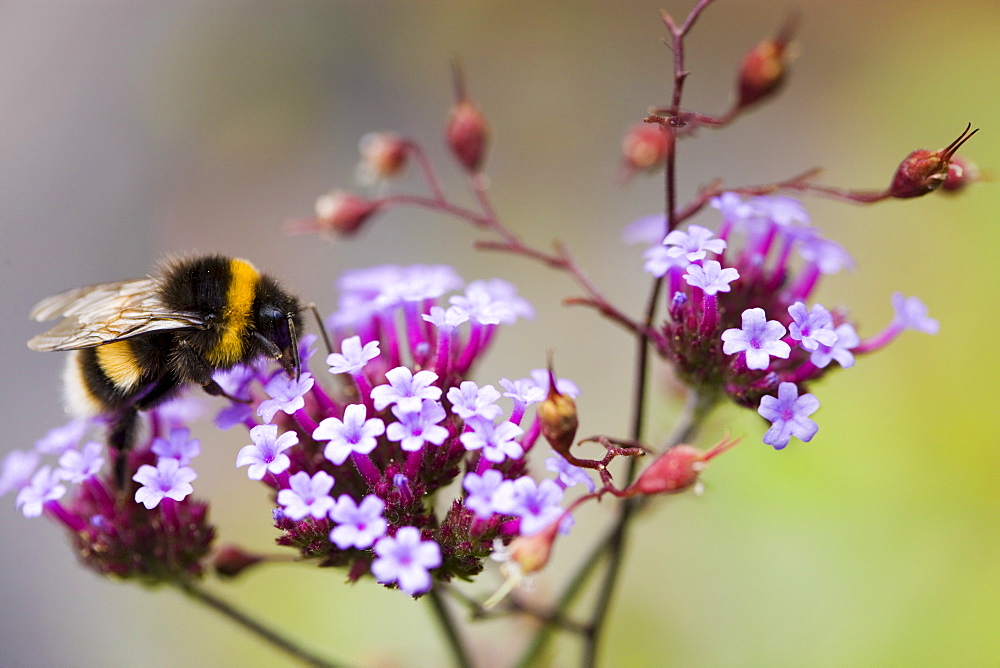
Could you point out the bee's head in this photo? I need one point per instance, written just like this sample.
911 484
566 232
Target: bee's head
278 321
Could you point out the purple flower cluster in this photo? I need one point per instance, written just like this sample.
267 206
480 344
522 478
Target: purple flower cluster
163 534
354 459
741 324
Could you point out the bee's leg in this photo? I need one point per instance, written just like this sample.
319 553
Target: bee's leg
121 432
192 368
213 388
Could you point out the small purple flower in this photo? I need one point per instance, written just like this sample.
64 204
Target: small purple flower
353 434
784 211
286 395
352 356
167 479
911 313
449 318
828 256
563 385
481 491
178 445
811 328
307 495
182 409
497 441
78 465
523 391
840 351
711 277
406 560
58 439
266 454
693 244
759 337
536 504
468 400
414 429
17 468
233 414
732 207
789 415
358 525
44 487
568 474
418 283
236 381
406 389
647 230
658 261
492 302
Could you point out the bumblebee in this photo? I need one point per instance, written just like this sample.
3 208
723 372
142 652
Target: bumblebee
136 343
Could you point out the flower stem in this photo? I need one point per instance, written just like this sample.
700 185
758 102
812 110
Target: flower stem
696 410
451 632
254 626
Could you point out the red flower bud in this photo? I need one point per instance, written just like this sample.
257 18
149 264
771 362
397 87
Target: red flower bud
532 553
924 171
676 469
644 147
467 134
764 67
524 556
383 155
338 212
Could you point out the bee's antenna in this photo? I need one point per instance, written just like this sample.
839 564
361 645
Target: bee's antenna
293 335
322 328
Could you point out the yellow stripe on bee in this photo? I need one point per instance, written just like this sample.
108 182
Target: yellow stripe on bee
119 365
236 314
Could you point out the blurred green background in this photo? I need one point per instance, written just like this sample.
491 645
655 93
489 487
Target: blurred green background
132 129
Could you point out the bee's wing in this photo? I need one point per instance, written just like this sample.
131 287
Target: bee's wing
99 314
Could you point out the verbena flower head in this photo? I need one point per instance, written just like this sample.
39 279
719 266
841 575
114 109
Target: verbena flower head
352 458
153 530
741 322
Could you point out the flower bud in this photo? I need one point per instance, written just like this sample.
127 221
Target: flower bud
337 212
764 67
924 171
467 134
524 556
557 417
644 147
676 469
532 553
231 561
960 174
383 155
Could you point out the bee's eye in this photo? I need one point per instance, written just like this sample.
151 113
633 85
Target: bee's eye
270 313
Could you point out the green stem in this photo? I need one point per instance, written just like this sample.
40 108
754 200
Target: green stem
451 632
254 626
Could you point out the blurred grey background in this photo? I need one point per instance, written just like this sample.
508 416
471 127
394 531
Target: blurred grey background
133 129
